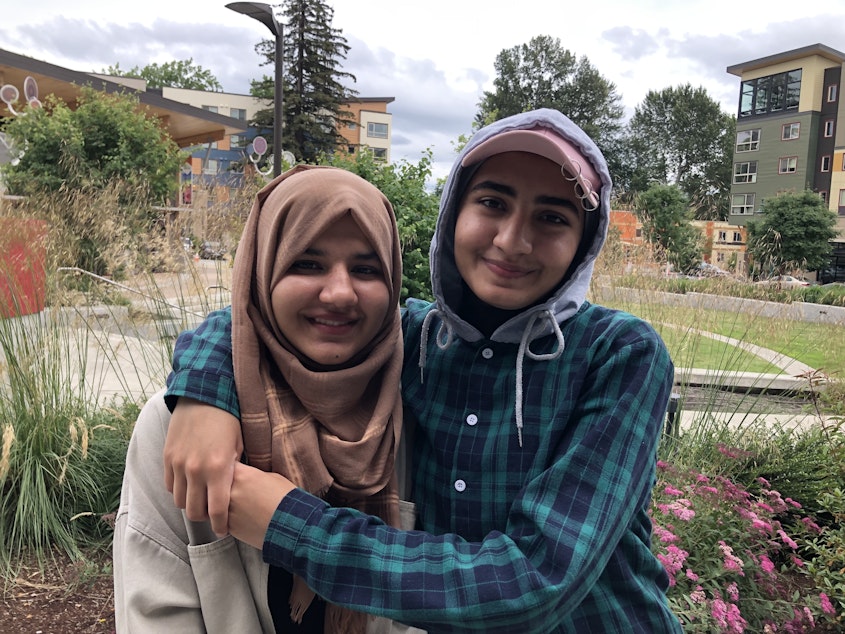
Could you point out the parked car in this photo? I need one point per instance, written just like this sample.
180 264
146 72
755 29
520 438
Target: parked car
705 269
784 281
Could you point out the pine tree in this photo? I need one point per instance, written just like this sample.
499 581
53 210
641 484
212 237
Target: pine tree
314 96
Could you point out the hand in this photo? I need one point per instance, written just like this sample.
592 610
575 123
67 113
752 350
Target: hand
255 496
203 444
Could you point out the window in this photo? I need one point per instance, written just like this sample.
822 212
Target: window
238 141
720 256
350 149
787 164
828 128
842 202
743 204
737 236
748 140
772 93
723 236
352 125
210 166
210 108
823 196
379 153
238 113
377 130
745 172
791 131
825 167
831 93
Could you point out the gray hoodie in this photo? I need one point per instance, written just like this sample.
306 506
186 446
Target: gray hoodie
540 319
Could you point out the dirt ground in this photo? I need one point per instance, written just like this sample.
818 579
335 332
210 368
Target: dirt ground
68 598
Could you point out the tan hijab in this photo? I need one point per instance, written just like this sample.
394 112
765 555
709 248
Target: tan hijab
331 430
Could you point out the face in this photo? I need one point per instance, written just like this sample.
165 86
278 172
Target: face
334 298
518 228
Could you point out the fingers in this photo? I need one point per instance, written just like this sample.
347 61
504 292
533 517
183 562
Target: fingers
203 443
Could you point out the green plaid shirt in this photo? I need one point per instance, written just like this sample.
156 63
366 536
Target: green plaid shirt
553 536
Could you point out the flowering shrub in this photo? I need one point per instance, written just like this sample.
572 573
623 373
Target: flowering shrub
733 565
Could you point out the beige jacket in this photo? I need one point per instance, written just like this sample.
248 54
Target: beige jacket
174 575
171 574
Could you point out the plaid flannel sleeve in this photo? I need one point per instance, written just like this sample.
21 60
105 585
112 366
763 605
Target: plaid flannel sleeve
202 365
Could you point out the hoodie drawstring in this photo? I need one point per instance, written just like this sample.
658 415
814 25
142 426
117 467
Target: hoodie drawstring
444 325
525 350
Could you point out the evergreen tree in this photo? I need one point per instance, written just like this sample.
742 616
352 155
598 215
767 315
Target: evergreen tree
313 94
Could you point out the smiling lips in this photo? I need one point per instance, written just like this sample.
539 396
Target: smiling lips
334 325
505 269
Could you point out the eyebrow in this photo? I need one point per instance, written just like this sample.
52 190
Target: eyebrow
507 190
367 257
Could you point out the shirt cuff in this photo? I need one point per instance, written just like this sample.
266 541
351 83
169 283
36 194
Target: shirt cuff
295 512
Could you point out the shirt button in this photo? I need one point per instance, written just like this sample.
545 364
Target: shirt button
487 353
460 486
472 419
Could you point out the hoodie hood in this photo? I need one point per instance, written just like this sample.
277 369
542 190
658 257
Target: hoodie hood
567 299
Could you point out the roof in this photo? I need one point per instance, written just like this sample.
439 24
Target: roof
798 53
187 125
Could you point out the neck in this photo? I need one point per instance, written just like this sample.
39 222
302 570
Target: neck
482 315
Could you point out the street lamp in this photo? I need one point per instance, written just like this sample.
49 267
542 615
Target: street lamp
264 14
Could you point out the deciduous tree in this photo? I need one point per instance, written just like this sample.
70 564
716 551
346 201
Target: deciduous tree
680 136
175 74
793 234
664 213
543 74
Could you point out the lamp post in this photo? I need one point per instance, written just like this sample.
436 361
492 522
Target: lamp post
264 14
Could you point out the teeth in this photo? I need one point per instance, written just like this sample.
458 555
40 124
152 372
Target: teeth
326 322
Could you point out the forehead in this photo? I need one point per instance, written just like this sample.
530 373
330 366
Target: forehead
525 175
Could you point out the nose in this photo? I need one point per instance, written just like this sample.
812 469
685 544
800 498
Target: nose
513 235
338 290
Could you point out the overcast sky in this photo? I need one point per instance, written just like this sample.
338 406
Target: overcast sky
436 57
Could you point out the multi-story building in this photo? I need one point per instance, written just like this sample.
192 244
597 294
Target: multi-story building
788 134
371 126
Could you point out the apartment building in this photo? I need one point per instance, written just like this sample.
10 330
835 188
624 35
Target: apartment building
788 134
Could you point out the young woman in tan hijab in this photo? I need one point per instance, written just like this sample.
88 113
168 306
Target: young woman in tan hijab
317 350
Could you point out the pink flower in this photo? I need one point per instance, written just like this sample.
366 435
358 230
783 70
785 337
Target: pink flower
662 465
787 540
670 490
809 616
811 525
691 575
664 535
767 565
731 561
793 503
673 561
763 481
733 591
797 561
697 595
702 478
827 606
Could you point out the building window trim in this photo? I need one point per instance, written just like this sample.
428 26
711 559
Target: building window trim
790 131
745 172
828 128
787 165
377 130
748 140
825 163
831 93
743 204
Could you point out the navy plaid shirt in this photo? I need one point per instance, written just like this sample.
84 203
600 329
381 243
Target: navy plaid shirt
553 536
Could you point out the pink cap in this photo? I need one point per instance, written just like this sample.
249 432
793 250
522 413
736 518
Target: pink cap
548 144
